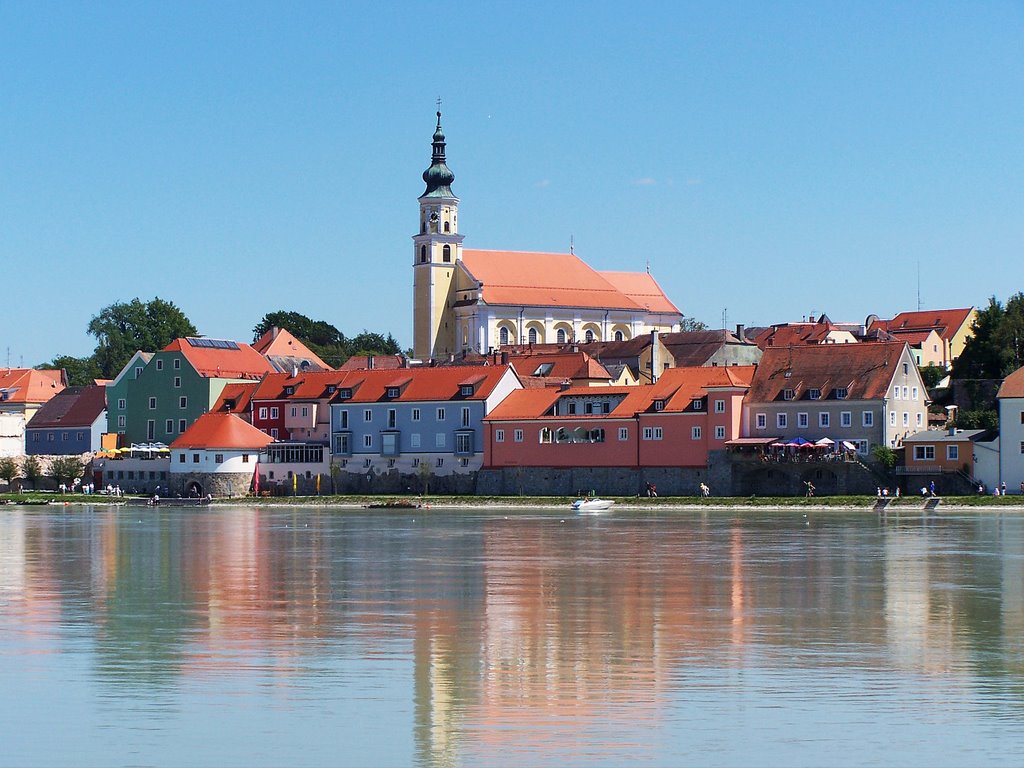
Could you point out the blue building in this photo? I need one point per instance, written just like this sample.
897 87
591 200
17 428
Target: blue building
396 420
72 422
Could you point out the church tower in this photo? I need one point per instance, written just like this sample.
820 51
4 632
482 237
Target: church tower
437 249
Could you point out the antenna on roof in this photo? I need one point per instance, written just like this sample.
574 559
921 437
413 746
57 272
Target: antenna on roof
725 317
918 285
572 244
648 266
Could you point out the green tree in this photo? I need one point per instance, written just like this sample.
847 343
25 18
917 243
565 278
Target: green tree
692 324
885 456
997 347
123 328
984 418
330 344
932 374
9 470
64 469
32 470
82 371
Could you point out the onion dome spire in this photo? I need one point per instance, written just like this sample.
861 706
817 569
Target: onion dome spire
438 176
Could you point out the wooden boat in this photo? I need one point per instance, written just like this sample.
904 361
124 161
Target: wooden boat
592 505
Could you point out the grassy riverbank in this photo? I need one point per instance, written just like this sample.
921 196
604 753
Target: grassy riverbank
630 502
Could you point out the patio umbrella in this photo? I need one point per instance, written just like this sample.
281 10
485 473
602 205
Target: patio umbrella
825 441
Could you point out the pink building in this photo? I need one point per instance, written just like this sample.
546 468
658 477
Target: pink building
676 422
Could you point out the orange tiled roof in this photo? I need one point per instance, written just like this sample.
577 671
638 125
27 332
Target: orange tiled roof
567 365
239 394
1013 385
678 387
864 369
28 385
238 362
280 344
559 280
221 430
426 384
642 288
309 385
945 322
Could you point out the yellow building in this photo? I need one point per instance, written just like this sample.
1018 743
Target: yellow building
481 300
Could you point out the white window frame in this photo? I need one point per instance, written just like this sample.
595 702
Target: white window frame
695 433
824 420
415 414
803 421
846 419
719 433
719 406
781 420
517 435
867 418
952 453
440 414
499 435
760 421
924 453
623 433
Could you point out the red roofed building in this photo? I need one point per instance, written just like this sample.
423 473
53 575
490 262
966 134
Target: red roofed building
865 394
1011 429
23 391
677 422
952 326
217 455
286 353
483 299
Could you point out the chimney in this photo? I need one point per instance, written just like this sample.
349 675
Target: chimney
564 386
295 371
504 358
274 332
655 361
403 362
369 362
740 331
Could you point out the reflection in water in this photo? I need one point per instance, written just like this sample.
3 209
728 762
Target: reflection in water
455 639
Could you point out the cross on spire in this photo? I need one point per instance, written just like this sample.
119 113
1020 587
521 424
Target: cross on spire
438 103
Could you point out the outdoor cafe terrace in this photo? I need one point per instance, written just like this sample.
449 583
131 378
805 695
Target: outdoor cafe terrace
796 450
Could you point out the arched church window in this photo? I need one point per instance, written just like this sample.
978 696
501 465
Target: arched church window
423 226
446 254
589 336
503 335
561 336
620 336
423 253
447 227
532 336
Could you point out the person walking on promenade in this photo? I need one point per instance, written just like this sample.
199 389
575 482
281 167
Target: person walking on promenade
810 488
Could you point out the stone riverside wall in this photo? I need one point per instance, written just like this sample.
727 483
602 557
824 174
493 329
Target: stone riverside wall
603 481
218 485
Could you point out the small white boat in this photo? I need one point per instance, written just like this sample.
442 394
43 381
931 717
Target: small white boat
592 505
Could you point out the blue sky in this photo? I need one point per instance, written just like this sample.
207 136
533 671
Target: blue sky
767 160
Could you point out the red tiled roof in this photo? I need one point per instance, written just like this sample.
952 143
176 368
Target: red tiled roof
221 430
791 334
643 289
568 365
240 362
426 384
28 385
677 387
238 393
281 346
864 369
71 407
309 385
945 322
558 280
1013 385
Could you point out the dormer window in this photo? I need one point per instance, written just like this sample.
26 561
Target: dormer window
345 394
331 389
842 393
659 405
814 394
698 404
393 392
289 390
787 394
466 390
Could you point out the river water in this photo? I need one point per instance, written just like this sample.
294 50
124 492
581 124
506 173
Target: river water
237 636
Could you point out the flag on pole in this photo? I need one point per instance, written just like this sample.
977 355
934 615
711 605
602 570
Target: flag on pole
256 480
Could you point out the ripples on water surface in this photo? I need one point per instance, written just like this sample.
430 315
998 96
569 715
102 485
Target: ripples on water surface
238 636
